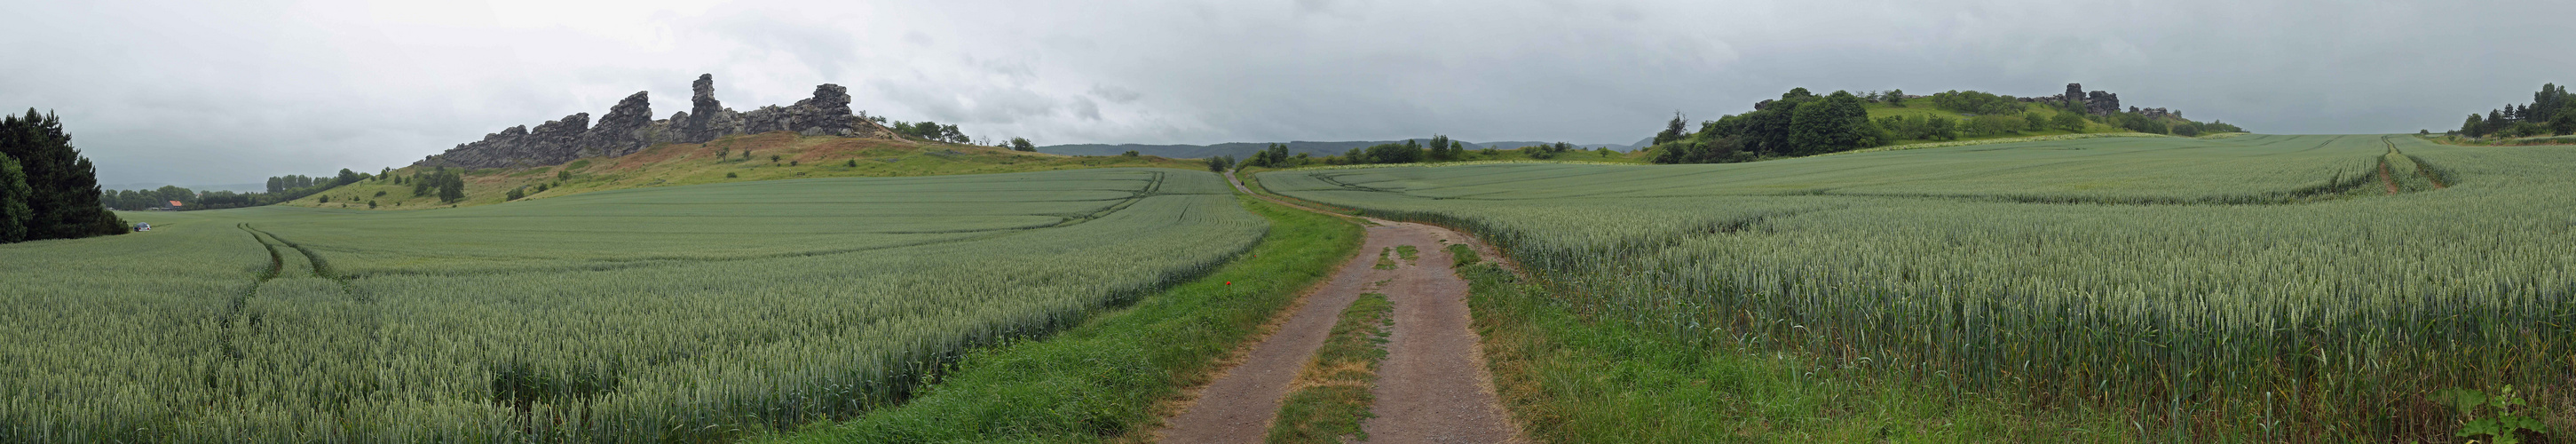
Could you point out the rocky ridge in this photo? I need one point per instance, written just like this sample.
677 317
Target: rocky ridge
2100 103
629 127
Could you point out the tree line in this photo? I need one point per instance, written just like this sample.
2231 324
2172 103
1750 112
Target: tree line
47 189
279 189
1802 123
1439 148
2552 111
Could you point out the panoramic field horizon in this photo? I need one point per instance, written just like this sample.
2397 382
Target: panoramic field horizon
1311 221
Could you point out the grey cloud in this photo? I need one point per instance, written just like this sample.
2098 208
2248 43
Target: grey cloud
184 92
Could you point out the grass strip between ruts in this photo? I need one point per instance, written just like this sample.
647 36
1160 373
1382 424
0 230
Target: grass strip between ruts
1332 394
1107 377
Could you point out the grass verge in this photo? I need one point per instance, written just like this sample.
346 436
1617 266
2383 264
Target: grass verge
1107 377
1331 395
1569 379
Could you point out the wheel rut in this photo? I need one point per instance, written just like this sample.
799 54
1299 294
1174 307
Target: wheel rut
1433 386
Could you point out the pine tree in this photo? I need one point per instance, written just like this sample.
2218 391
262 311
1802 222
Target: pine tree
14 213
63 186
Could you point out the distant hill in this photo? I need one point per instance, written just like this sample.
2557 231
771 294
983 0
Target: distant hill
1244 149
235 187
672 164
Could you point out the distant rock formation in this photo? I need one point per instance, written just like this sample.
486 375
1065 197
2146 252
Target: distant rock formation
2100 103
629 127
625 129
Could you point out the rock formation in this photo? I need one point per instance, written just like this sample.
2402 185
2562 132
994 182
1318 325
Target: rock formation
707 118
2102 103
622 130
629 127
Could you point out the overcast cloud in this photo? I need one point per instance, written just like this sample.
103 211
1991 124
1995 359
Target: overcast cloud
196 92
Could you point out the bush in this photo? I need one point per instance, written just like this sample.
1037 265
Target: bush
1994 125
2068 120
1973 102
730 176
853 163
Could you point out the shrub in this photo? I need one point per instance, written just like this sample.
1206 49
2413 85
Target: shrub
730 176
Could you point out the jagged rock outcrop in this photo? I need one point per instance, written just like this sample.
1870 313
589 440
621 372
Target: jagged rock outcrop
2102 103
629 127
551 143
707 118
623 130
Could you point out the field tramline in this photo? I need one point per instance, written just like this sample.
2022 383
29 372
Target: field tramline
668 314
2292 288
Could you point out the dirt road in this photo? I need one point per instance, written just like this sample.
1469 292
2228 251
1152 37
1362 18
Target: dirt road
1433 386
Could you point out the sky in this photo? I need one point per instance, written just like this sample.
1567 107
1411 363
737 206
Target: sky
192 92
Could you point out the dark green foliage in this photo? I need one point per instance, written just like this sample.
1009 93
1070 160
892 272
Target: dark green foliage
1994 125
773 158
1894 97
451 187
1837 123
2552 111
1023 144
14 195
1220 163
1441 148
1921 127
1973 102
1548 151
1129 153
1276 156
516 193
1798 123
371 204
932 131
380 194
563 174
324 199
63 198
2140 123
852 163
1674 130
1407 152
729 175
794 162
1699 150
2068 120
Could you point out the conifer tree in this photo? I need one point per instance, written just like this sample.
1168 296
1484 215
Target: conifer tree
14 214
63 198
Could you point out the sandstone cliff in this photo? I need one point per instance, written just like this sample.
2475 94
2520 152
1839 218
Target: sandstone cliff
629 127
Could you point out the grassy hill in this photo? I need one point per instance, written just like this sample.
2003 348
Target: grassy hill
773 156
